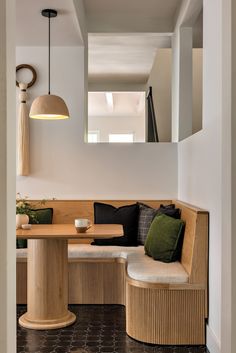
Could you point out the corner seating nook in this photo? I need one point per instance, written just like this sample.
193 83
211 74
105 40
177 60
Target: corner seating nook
166 303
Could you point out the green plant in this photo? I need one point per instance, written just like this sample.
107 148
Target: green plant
25 206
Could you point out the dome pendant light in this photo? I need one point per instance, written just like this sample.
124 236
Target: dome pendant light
49 106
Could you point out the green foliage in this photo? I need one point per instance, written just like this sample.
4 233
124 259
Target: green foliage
25 206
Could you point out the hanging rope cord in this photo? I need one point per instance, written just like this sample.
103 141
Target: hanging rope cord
23 95
23 157
49 52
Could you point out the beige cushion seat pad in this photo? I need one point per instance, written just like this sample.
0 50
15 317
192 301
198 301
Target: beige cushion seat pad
139 266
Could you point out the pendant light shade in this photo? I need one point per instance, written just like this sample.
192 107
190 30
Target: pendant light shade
49 107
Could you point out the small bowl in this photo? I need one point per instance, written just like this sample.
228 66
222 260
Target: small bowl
26 226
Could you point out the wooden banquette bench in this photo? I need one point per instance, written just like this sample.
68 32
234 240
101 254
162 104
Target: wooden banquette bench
165 303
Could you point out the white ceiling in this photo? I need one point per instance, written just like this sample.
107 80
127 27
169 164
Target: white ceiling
123 57
126 57
155 8
129 16
113 57
32 28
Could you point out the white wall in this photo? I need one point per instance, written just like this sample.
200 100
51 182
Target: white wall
63 166
228 284
7 178
229 294
118 125
125 114
160 80
197 89
200 163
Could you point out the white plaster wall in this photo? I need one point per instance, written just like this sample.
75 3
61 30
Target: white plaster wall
199 159
127 114
63 166
118 125
229 291
197 89
175 86
185 86
160 80
7 179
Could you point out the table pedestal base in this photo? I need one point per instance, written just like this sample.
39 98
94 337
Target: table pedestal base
47 288
25 322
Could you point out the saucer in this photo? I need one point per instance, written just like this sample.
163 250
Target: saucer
26 226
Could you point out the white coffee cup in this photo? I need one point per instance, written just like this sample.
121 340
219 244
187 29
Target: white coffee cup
82 224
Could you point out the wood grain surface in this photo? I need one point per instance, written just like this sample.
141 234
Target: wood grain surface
68 231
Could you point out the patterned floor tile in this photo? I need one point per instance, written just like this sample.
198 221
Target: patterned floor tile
98 329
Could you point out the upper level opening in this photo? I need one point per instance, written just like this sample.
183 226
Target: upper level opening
116 117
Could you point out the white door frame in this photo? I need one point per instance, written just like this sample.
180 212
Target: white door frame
7 178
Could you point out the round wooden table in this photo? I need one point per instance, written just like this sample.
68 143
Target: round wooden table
47 272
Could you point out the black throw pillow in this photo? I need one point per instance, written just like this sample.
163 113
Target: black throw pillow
169 210
171 206
125 215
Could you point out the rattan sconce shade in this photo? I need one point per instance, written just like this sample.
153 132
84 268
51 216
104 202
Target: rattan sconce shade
49 107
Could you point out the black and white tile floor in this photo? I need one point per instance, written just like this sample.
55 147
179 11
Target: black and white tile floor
99 329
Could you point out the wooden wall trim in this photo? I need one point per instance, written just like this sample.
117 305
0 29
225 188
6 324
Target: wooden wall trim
169 286
182 204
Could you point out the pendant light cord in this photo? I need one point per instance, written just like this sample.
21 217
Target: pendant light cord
49 53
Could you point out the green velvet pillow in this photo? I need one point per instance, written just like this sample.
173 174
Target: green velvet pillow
165 238
21 243
40 216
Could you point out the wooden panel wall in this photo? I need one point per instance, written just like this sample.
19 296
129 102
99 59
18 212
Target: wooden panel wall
21 282
97 282
65 211
91 281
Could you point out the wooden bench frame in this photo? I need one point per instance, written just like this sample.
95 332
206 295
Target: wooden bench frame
155 313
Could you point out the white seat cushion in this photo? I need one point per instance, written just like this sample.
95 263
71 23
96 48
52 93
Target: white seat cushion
140 266
87 250
21 253
143 268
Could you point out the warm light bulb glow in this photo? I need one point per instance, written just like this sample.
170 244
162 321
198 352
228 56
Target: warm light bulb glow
49 117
